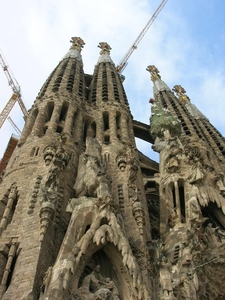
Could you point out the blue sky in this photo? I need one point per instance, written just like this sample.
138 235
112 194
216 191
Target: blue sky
186 43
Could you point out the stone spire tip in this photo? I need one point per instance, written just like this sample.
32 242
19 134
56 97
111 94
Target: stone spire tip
159 85
75 49
77 43
104 53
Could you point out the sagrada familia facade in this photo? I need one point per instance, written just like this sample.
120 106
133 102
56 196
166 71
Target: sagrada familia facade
85 215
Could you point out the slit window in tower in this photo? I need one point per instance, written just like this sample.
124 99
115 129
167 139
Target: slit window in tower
93 128
182 202
85 131
73 123
34 151
50 108
174 198
118 124
63 112
106 120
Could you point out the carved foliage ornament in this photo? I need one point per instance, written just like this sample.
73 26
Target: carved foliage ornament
77 43
154 72
180 91
105 48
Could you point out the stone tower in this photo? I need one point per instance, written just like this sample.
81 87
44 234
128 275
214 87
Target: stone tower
85 215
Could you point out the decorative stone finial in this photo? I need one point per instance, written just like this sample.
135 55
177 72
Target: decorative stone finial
154 72
105 48
77 43
180 91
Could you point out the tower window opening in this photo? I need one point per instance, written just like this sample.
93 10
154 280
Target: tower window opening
63 112
107 139
93 128
182 203
50 108
34 151
85 131
174 198
59 129
45 129
106 120
118 124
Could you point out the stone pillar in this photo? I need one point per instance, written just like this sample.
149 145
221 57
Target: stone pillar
78 128
100 130
112 126
11 198
124 129
39 122
11 255
69 121
54 119
27 129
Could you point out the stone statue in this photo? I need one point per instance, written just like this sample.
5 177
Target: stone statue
95 286
212 236
165 277
92 180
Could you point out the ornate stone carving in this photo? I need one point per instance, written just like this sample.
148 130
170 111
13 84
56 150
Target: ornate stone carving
95 286
165 279
105 48
11 201
180 91
163 124
49 153
154 72
92 180
34 195
77 43
121 162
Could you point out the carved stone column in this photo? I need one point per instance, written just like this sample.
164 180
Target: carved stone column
100 131
54 119
39 122
11 198
78 128
124 129
68 127
27 129
112 126
11 255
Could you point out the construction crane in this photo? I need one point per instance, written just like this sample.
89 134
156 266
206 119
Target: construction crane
16 96
123 63
14 126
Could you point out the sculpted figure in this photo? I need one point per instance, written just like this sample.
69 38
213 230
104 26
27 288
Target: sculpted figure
92 180
212 235
95 286
187 287
165 277
173 218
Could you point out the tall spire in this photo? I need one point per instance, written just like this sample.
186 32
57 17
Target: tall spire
104 53
75 49
159 85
